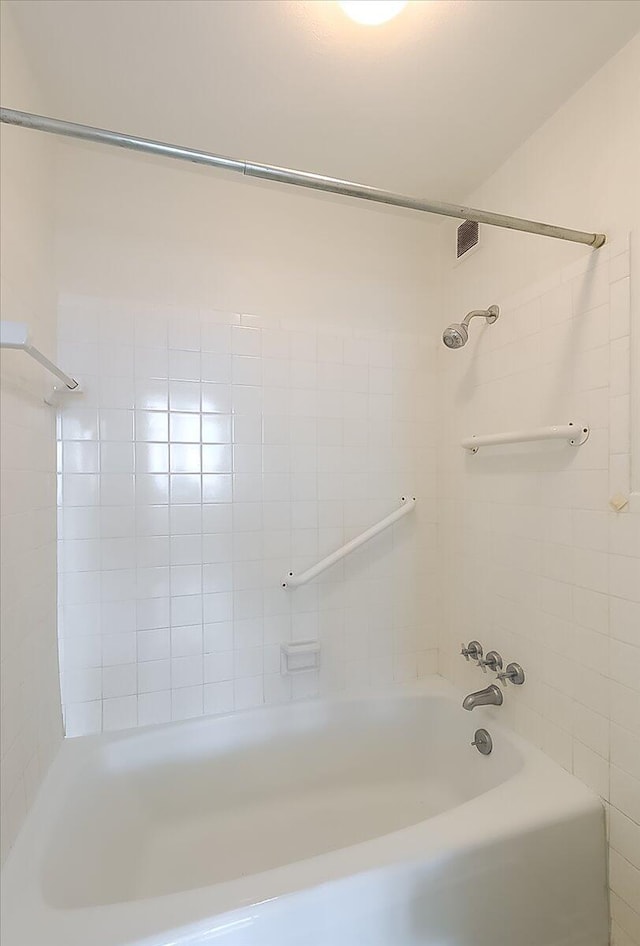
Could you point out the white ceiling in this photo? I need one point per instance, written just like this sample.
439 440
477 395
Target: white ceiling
430 103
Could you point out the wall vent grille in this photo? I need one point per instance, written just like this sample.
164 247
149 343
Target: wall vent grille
467 237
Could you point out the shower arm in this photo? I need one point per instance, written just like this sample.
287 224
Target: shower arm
480 313
318 182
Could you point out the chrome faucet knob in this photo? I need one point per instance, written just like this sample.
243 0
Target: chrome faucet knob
475 650
482 741
493 661
514 674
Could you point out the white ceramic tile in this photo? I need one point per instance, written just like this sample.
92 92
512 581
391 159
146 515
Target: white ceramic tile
184 333
620 305
216 338
83 719
83 685
625 751
216 367
80 457
152 426
218 667
625 619
217 488
186 519
217 398
184 367
153 643
218 637
216 428
152 364
625 793
154 708
151 489
624 836
186 579
186 641
152 582
185 458
154 676
117 489
186 549
120 713
118 649
248 692
152 551
245 341
624 878
184 427
119 681
625 920
117 458
80 424
80 489
216 458
187 609
217 578
185 488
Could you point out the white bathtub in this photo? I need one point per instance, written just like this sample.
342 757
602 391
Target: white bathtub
367 822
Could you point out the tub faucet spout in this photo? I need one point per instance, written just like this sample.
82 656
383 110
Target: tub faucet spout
490 696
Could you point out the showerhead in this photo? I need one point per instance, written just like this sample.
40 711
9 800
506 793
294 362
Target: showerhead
457 334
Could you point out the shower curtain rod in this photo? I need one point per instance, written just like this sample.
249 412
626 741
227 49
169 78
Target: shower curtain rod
317 182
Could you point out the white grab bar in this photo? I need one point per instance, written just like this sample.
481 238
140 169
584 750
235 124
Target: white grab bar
16 335
293 581
574 434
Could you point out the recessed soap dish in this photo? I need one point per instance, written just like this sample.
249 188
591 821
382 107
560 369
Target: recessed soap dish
300 657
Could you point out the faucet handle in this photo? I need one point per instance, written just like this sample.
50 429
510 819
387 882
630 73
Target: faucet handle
482 741
514 673
493 661
475 650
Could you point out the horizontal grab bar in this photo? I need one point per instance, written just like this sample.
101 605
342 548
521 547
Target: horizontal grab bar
573 433
293 581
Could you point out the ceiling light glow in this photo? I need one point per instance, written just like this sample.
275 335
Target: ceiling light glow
372 12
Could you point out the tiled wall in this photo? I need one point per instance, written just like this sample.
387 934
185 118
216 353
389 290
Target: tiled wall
30 713
535 562
211 453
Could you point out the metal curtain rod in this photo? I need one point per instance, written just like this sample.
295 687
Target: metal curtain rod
289 176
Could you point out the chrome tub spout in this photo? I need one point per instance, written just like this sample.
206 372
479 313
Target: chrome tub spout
490 696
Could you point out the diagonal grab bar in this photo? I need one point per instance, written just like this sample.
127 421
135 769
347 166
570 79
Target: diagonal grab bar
16 335
294 581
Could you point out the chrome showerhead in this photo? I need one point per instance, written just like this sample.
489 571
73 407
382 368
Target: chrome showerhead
457 334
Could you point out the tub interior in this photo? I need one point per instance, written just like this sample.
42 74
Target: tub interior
210 801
